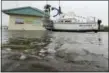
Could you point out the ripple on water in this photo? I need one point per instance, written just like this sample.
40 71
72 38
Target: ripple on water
64 52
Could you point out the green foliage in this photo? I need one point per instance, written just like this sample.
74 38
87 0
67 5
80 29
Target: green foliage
104 28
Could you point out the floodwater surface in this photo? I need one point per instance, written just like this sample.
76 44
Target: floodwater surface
45 51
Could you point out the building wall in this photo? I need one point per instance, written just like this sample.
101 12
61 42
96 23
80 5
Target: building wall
30 23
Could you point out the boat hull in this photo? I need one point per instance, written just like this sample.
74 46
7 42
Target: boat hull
57 30
75 27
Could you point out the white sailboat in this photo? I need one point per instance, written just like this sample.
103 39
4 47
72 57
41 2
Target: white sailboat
71 22
75 23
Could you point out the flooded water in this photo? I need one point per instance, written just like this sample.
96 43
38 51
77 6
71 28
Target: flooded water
24 51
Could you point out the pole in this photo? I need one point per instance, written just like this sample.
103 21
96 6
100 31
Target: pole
46 1
59 3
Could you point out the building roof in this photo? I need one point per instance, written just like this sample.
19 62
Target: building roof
25 11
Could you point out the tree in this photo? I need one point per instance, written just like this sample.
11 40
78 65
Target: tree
47 8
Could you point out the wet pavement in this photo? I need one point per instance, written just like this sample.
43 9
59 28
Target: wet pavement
31 51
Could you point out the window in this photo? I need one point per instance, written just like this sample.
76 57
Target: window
19 21
61 21
32 21
37 21
85 25
67 21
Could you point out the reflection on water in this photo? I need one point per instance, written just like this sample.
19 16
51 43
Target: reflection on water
77 51
27 34
93 42
22 34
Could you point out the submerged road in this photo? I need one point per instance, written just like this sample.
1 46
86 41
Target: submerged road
57 51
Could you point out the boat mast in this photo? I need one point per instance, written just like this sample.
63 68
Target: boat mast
60 12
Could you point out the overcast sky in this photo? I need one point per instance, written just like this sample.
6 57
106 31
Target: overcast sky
98 9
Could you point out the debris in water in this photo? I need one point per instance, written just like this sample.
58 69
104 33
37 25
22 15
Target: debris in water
26 50
8 49
41 54
51 51
42 51
23 57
